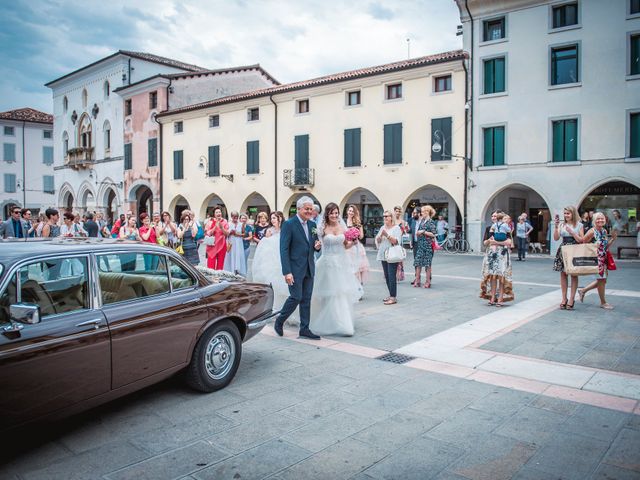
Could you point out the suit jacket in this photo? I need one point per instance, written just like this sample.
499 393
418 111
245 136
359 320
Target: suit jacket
6 229
413 226
296 252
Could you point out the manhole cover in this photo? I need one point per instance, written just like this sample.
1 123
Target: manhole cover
395 358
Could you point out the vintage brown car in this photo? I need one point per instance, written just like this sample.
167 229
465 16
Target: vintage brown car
85 321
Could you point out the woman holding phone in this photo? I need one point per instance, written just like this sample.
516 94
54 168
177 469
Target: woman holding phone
571 231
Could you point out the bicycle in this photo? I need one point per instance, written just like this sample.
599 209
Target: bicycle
455 242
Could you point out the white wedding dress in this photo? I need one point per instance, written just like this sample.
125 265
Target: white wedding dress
266 268
335 290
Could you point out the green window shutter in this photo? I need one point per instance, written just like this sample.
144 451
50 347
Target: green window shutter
357 159
253 161
498 146
9 152
634 132
388 144
499 75
348 148
302 151
445 124
178 172
47 184
47 155
634 60
571 140
558 142
127 156
488 146
153 152
397 143
9 183
489 78
214 161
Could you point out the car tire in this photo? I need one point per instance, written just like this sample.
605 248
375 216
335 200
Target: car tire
216 358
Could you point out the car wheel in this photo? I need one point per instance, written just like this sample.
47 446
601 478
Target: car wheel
216 358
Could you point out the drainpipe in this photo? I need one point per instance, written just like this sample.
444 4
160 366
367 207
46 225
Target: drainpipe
469 112
155 119
24 169
275 153
466 148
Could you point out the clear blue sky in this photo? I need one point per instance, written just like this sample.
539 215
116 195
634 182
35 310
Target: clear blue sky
292 39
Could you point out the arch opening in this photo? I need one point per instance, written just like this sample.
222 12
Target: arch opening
254 204
209 205
290 208
620 202
370 208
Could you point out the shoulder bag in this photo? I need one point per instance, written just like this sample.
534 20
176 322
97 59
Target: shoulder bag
580 259
395 254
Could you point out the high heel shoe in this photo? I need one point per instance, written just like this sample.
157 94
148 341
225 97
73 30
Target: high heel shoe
427 285
416 284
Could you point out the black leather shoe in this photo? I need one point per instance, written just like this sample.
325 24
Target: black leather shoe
309 334
277 326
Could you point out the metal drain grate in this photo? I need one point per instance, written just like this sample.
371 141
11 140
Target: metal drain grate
398 358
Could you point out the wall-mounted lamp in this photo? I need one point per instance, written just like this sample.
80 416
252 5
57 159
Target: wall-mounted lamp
228 177
472 184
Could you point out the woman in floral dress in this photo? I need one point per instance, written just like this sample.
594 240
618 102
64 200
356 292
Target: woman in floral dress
426 234
599 234
496 285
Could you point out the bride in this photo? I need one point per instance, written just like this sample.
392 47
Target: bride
335 287
266 266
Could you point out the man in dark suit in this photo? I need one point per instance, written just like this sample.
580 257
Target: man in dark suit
298 242
14 227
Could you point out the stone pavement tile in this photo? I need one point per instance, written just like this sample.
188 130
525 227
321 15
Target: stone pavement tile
498 459
250 434
179 434
375 385
502 401
90 464
339 461
405 372
197 405
382 406
552 404
172 464
624 452
564 355
110 426
421 459
532 425
362 476
598 359
568 456
263 405
612 384
466 429
447 475
322 405
610 472
397 430
528 473
322 432
446 402
371 368
595 422
428 384
633 422
259 462
35 457
262 385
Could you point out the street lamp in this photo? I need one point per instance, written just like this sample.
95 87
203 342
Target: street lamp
204 165
440 145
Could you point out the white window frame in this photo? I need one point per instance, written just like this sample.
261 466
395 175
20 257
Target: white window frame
568 27
209 117
628 56
504 55
436 77
44 134
249 109
175 127
346 98
386 89
628 12
482 42
550 121
550 70
4 131
298 103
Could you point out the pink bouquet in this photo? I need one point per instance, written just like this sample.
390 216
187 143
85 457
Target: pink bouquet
352 234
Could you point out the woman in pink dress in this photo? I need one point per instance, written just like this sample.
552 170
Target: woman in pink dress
218 228
357 254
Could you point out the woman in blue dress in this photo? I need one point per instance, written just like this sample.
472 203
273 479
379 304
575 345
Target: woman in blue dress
425 233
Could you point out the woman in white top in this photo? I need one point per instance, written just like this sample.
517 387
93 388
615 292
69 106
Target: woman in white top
335 289
571 232
388 236
235 260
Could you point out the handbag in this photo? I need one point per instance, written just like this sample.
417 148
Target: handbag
394 254
580 259
179 249
209 240
611 264
435 245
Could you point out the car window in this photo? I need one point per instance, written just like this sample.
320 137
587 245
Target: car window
127 276
57 285
180 278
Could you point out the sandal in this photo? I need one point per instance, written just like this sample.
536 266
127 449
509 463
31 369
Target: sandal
416 284
385 299
570 306
499 304
427 285
563 305
492 301
607 306
391 301
581 294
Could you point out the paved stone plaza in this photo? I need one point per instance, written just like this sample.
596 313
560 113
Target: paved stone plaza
524 392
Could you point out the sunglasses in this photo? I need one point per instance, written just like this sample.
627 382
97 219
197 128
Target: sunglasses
386 216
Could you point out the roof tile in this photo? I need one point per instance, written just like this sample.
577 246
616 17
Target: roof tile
27 115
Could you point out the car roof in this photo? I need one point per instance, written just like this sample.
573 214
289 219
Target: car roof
13 250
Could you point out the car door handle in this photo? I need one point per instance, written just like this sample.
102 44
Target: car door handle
96 323
191 300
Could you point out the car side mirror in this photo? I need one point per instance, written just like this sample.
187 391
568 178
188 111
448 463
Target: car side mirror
28 313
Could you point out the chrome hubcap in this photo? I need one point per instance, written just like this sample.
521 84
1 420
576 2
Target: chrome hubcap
220 354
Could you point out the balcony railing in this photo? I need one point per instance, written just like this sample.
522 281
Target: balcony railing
81 157
299 177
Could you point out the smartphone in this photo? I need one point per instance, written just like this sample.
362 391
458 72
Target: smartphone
557 218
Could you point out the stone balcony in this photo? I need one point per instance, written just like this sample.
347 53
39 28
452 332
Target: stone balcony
80 157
